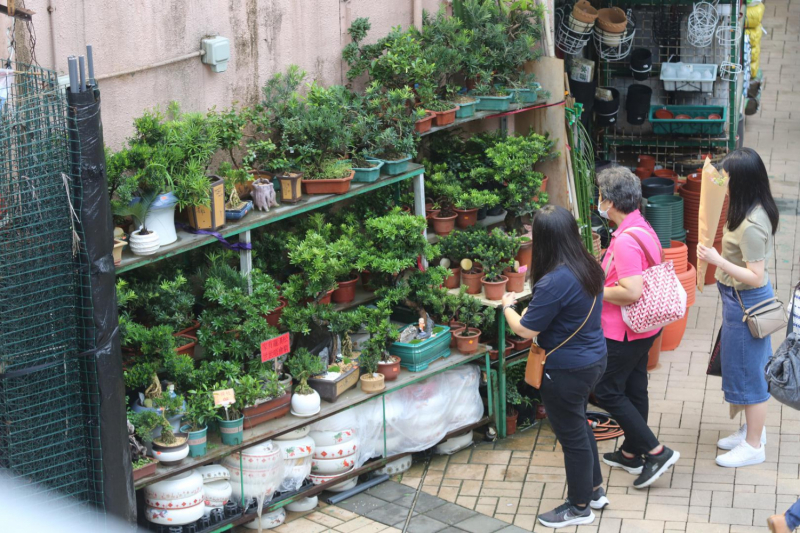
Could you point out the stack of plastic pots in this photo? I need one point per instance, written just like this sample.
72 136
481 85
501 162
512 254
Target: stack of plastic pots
660 218
690 193
675 203
672 334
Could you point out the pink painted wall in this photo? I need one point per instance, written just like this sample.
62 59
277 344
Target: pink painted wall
266 36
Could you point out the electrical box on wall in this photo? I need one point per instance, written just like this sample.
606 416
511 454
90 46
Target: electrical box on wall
217 53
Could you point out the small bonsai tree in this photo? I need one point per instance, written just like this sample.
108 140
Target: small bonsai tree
382 125
474 315
397 241
145 422
167 302
200 408
168 405
496 253
304 365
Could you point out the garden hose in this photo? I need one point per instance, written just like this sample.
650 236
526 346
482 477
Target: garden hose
603 426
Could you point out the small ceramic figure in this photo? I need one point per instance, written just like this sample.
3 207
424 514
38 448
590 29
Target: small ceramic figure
264 194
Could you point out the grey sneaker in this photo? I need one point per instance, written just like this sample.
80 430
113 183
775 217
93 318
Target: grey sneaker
566 515
599 499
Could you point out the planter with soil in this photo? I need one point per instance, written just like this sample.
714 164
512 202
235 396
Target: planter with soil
511 421
274 316
213 216
198 440
372 383
444 118
291 187
231 431
346 291
443 225
390 369
334 186
467 340
472 279
516 280
525 255
186 344
147 470
266 411
393 165
466 106
494 355
466 217
367 171
494 290
424 125
330 389
453 281
145 243
519 343
117 253
455 327
171 454
417 354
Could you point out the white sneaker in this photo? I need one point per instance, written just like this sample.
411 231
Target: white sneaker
732 441
742 455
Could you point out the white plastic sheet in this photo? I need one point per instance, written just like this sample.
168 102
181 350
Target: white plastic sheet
417 417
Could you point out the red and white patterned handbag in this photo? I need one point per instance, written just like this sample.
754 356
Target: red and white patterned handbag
663 298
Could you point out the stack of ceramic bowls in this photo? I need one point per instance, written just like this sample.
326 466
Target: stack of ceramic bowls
216 486
176 501
262 473
297 458
334 456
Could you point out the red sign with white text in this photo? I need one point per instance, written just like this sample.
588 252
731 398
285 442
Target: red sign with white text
274 347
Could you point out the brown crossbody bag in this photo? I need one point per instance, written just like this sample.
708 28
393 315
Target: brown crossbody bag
537 357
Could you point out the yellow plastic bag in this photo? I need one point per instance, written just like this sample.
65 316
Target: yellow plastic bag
755 35
754 16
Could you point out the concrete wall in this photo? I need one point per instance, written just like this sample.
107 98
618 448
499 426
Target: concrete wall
266 37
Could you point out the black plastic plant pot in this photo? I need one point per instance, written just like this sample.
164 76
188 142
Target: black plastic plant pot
606 112
495 211
657 186
637 104
583 93
482 212
641 63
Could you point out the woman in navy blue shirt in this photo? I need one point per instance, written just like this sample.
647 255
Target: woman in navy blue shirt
568 288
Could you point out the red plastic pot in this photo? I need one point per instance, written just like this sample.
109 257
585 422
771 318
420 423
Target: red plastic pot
672 334
444 118
274 316
516 280
455 327
494 355
494 290
424 124
468 344
444 225
472 280
346 291
327 298
667 173
334 186
189 347
647 161
643 173
654 354
453 281
466 217
525 256
520 344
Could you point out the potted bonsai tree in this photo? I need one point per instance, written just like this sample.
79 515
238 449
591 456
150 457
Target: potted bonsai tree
200 411
231 423
166 446
471 313
142 465
496 253
303 365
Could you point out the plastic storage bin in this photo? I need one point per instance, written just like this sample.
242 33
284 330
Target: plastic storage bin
695 77
675 126
416 356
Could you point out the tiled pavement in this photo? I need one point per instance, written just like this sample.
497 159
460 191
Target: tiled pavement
513 479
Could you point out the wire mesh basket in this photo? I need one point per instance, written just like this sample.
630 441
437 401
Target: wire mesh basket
729 34
729 71
572 35
615 46
702 24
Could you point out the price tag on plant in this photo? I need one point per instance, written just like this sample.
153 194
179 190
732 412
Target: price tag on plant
224 397
522 269
275 348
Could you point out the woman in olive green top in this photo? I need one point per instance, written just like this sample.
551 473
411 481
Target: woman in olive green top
747 245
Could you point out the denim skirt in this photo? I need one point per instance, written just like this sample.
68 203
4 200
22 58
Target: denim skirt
743 357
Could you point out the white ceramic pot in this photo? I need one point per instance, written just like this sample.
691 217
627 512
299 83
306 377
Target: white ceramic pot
338 450
268 521
331 438
263 471
304 505
455 444
177 487
305 405
296 449
170 456
181 503
396 467
175 517
217 493
347 485
332 466
213 473
161 219
318 480
295 434
144 244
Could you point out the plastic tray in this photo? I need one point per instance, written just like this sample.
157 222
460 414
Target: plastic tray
675 82
417 356
675 126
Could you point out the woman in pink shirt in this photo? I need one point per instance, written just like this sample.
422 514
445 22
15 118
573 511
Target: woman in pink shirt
622 391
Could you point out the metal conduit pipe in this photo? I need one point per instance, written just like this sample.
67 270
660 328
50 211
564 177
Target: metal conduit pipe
198 53
417 10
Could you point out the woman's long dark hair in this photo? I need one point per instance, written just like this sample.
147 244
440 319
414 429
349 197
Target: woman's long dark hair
556 242
748 187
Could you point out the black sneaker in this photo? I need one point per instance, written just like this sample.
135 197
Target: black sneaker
655 466
599 499
631 466
565 515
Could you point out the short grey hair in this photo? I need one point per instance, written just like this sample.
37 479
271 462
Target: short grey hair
621 187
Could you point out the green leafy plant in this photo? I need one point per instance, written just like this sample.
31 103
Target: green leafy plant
200 408
382 125
496 253
140 375
167 302
248 390
168 406
303 365
397 240
145 422
179 369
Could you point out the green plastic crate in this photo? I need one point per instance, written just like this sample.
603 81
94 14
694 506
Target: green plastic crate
674 126
417 356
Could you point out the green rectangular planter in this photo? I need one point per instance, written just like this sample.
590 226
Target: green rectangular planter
467 110
674 126
416 356
393 168
523 96
232 431
368 175
494 103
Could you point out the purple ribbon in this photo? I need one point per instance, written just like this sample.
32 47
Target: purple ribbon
237 247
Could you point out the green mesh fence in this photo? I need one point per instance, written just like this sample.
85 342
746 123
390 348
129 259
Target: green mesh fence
49 431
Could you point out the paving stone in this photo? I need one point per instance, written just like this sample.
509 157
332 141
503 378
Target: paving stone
422 524
361 503
389 514
481 524
450 513
425 502
389 491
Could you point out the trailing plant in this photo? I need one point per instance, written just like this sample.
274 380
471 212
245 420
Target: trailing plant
303 365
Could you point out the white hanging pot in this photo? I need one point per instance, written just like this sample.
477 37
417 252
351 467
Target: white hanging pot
161 218
144 244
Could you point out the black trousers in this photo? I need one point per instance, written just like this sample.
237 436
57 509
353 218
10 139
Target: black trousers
565 394
623 392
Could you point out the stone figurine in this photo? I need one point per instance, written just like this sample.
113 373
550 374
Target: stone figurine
264 194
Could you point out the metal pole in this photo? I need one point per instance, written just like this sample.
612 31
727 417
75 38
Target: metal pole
82 72
501 412
246 260
72 63
90 63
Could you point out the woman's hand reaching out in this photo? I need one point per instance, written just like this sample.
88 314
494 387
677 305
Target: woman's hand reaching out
509 298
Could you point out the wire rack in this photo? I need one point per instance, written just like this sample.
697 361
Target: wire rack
50 435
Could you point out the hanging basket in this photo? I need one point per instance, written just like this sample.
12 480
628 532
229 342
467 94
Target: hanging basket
614 45
729 35
702 24
729 71
572 35
612 20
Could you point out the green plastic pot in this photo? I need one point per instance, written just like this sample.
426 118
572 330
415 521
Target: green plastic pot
232 431
368 175
393 168
468 109
494 103
198 441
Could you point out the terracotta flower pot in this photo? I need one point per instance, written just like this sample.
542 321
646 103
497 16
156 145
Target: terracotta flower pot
424 124
266 411
346 291
327 298
693 182
455 327
453 281
467 340
494 355
372 383
672 334
666 173
189 346
525 256
274 316
466 217
511 422
494 290
654 354
391 370
612 20
647 161
444 225
472 280
444 118
429 214
337 186
584 12
516 280
519 343
643 173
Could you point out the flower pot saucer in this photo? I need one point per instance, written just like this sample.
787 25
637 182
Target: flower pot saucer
308 415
